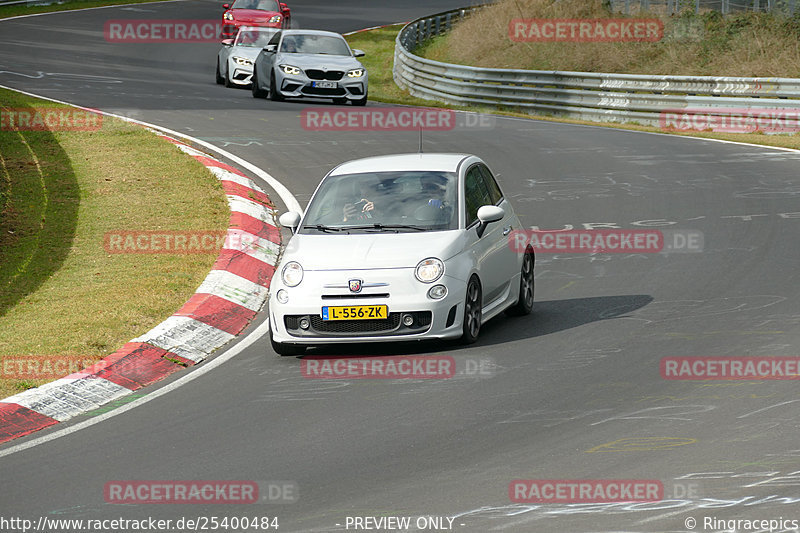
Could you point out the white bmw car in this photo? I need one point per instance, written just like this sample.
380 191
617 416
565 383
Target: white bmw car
236 57
399 247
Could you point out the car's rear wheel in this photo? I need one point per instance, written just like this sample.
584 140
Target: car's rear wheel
257 91
220 79
274 95
473 312
526 287
285 350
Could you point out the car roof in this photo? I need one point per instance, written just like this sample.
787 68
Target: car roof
311 32
437 162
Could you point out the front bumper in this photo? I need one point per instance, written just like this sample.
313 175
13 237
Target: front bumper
301 85
240 75
403 294
231 28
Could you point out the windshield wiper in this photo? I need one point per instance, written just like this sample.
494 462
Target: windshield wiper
382 227
322 227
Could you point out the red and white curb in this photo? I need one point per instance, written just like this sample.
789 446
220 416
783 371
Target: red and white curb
221 308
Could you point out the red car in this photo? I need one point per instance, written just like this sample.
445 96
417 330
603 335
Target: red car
268 13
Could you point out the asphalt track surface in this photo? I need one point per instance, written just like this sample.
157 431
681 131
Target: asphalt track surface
574 391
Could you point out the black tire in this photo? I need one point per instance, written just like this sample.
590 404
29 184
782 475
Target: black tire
526 287
361 101
220 79
473 311
285 350
228 83
274 95
257 91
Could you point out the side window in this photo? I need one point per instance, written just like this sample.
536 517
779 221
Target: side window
475 193
491 184
275 38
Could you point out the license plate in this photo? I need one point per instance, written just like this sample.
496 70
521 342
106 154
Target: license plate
356 312
324 84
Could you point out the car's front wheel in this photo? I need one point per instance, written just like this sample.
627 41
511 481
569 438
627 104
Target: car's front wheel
473 312
220 79
274 95
257 91
526 287
283 349
361 101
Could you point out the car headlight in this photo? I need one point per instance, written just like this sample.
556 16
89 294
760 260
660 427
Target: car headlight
355 73
276 18
288 69
292 274
242 61
227 16
429 270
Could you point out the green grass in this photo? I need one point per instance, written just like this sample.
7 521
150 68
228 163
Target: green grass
744 44
379 47
61 293
16 10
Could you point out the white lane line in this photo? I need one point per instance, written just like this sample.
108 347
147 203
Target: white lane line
201 370
88 9
196 372
287 197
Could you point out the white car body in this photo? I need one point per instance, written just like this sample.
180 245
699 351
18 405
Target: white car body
236 57
383 263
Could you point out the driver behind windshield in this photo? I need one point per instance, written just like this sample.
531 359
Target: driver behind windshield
361 209
433 189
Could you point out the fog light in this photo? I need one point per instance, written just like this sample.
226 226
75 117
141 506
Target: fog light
304 323
437 292
282 296
408 320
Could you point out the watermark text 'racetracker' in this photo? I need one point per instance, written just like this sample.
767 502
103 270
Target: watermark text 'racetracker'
49 118
585 30
730 368
391 119
585 490
162 31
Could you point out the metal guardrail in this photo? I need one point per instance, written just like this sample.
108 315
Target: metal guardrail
787 7
583 95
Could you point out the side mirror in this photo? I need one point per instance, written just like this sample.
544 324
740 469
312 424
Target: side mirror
226 6
358 53
285 9
271 48
290 220
488 214
227 42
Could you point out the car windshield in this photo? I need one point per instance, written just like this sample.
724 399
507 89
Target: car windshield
314 44
254 37
384 201
263 5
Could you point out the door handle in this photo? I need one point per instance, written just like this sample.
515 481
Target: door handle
506 230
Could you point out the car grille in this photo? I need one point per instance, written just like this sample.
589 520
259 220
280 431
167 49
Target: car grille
324 92
354 296
331 75
356 328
